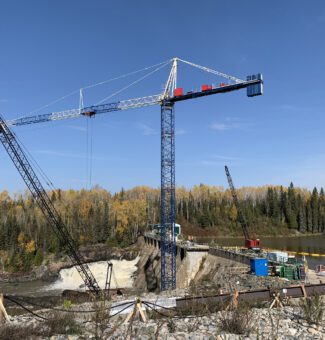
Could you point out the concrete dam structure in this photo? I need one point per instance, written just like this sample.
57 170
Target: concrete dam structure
188 260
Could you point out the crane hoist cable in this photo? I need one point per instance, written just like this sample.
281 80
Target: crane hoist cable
90 155
87 153
90 125
89 137
31 159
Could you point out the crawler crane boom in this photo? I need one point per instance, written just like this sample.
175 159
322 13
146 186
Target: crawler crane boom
250 243
29 176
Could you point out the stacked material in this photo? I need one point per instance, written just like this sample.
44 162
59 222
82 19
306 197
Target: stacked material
293 272
278 256
287 272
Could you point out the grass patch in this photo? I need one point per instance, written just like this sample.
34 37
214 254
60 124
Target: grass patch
237 321
18 333
61 323
58 323
312 309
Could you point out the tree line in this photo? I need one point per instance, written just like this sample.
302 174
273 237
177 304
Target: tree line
96 216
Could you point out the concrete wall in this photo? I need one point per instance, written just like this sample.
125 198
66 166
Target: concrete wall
188 261
152 242
188 267
241 258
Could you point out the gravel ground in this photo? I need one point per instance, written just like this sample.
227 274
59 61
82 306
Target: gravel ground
256 323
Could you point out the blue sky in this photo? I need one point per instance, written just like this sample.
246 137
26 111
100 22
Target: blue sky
50 48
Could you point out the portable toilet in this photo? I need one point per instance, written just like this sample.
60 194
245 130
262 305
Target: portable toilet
259 266
177 229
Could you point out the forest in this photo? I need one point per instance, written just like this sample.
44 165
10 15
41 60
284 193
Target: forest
98 216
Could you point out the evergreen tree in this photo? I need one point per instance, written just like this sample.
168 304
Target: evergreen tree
314 210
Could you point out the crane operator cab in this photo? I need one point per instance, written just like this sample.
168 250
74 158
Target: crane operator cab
253 244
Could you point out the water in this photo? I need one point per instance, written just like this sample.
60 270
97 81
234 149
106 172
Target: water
123 272
122 275
314 244
32 288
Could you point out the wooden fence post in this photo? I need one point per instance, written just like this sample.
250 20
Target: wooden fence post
276 302
304 291
136 311
3 313
234 301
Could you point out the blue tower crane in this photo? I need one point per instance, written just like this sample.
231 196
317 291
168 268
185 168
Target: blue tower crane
166 100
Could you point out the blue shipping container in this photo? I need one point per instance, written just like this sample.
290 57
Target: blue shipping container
259 266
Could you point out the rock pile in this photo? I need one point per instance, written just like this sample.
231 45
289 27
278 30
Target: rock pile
285 323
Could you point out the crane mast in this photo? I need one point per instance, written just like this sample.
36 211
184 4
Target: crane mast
38 192
249 242
168 197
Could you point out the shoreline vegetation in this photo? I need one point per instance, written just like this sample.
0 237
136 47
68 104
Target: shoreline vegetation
294 235
97 216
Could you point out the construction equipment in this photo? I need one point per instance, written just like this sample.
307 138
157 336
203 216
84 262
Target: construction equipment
27 173
166 100
250 243
108 276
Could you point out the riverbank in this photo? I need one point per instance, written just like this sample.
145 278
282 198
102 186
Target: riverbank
49 270
262 230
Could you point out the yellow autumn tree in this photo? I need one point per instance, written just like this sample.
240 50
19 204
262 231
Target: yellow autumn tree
233 213
30 247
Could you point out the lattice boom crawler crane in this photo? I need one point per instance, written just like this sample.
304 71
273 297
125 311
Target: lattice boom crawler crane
29 176
166 100
250 243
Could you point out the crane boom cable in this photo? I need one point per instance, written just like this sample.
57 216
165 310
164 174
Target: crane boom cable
127 74
209 70
94 85
133 83
126 104
171 81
